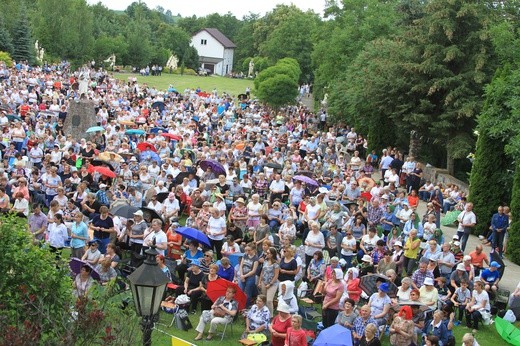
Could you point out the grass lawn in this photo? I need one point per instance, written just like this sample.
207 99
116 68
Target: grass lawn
231 86
487 335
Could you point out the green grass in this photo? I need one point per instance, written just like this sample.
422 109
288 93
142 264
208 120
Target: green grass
487 335
231 86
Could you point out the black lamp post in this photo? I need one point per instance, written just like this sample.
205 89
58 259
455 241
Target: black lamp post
148 284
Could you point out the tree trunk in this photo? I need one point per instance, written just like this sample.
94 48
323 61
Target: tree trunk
450 163
415 144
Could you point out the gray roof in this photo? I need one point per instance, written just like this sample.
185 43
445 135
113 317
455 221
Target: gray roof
220 37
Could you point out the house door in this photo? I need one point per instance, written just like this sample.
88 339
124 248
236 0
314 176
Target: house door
210 68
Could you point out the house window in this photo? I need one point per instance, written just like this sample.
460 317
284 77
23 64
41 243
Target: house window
203 42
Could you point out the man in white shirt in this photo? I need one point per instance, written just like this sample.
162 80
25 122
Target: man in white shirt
467 221
170 207
277 188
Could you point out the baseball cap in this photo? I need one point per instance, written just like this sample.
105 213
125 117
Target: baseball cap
495 264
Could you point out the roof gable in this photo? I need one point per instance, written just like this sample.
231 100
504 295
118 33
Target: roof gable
220 37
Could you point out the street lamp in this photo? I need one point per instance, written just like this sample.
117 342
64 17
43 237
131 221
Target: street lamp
148 284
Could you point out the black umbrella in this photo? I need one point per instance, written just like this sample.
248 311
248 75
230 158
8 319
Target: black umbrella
102 163
273 165
162 196
495 256
149 214
180 177
306 173
125 210
368 284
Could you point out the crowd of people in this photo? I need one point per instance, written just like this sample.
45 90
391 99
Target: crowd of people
257 183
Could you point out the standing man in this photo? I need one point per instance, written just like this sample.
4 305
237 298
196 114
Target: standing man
499 224
103 226
467 221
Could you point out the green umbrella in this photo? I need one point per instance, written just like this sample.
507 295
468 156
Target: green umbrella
507 331
450 217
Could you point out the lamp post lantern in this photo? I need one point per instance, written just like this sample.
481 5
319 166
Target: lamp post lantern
148 284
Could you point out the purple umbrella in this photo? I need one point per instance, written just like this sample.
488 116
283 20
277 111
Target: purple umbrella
76 264
306 180
216 167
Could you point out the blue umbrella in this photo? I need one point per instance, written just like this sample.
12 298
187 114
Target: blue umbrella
158 104
335 335
157 129
135 132
193 234
95 129
149 155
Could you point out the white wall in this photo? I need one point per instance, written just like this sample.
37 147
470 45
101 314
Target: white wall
228 61
212 49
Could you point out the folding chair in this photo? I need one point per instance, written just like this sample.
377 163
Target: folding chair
230 324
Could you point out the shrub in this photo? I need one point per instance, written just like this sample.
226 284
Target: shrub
6 58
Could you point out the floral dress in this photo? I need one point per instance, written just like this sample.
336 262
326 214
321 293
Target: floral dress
259 317
239 212
203 219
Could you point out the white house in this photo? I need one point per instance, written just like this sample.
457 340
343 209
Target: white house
215 51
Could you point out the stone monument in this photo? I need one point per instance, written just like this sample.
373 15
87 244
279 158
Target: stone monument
80 117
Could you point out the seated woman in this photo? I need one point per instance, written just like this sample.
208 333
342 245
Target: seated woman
105 270
193 253
437 328
281 323
403 293
226 270
191 285
370 338
258 318
347 316
380 303
286 293
352 280
402 330
83 282
316 268
205 302
222 312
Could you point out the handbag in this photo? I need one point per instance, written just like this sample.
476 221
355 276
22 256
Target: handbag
182 320
219 312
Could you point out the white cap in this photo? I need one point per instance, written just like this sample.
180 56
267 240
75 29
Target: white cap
456 243
460 266
102 186
428 281
398 243
455 237
138 213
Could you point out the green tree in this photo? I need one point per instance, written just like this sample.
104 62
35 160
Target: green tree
106 46
139 48
351 25
455 61
288 32
64 29
6 43
245 43
22 39
276 70
278 91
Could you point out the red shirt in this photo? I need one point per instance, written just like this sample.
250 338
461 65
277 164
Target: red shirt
280 327
295 337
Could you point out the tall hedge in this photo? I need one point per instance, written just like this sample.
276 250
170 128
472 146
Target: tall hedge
487 179
513 245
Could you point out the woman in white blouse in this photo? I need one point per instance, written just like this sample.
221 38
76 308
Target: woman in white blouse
313 242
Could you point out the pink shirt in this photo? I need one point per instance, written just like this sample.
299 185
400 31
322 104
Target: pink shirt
331 289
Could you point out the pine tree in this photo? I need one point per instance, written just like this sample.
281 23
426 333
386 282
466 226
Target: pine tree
6 44
487 180
513 246
22 39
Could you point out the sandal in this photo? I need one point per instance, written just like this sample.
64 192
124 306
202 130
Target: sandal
209 337
198 337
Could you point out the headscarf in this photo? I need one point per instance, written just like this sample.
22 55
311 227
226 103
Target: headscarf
354 271
406 312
